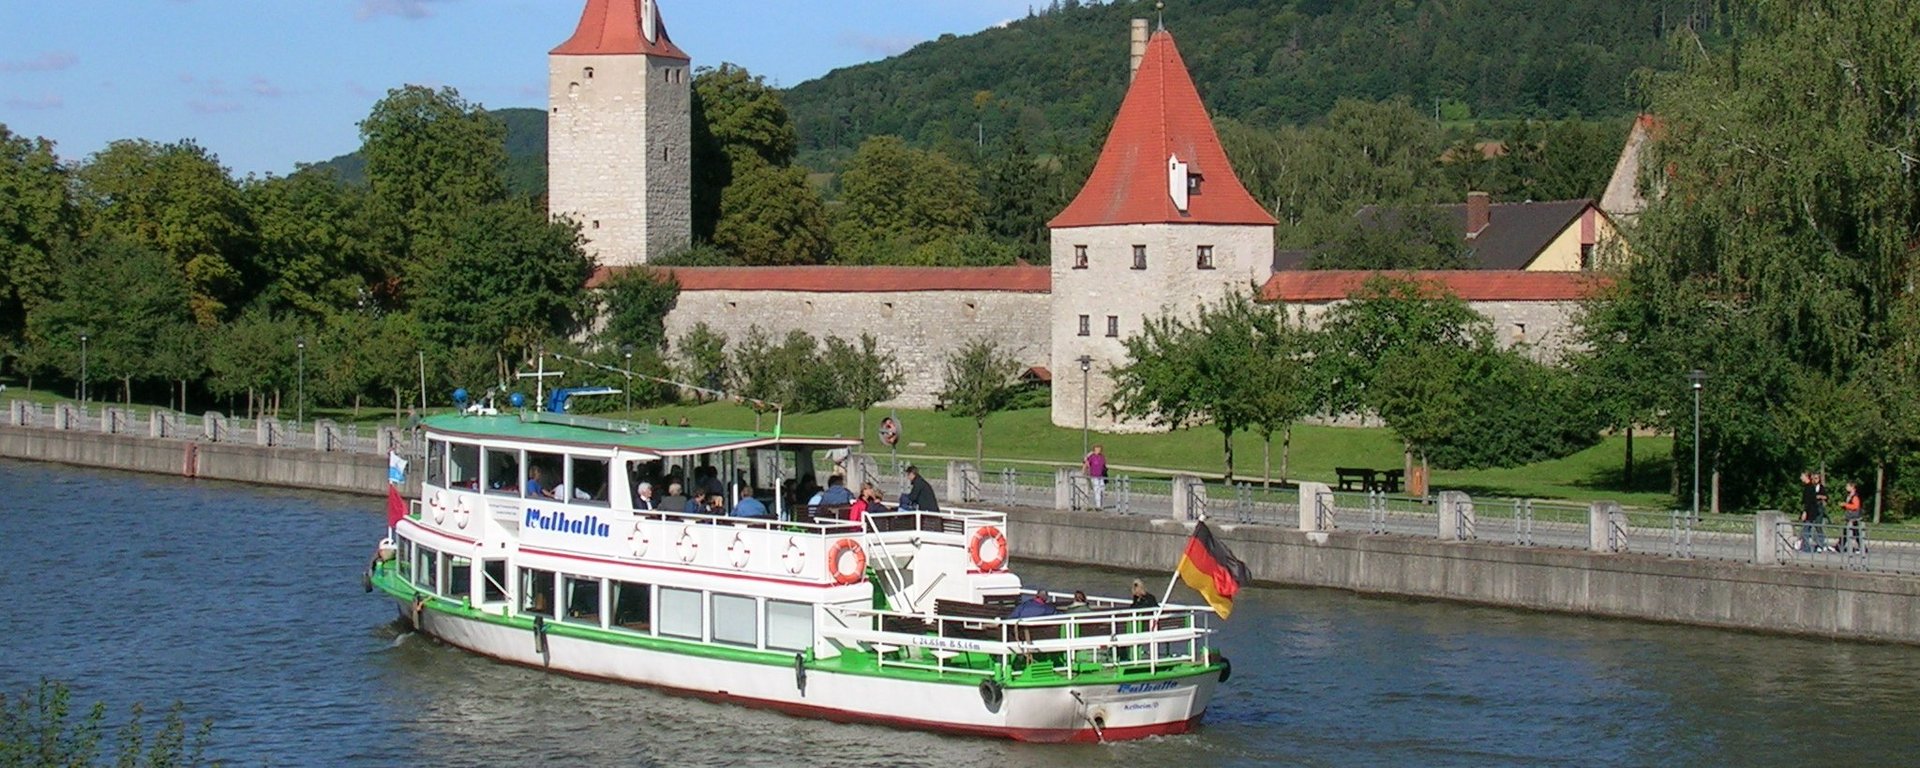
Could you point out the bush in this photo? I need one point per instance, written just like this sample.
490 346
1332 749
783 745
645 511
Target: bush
37 729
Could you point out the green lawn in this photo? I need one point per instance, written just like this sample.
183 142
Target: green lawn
1028 437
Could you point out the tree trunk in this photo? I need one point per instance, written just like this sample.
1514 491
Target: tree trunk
1879 489
1266 461
1628 474
249 403
396 405
1286 450
126 391
862 434
1226 438
979 443
1716 492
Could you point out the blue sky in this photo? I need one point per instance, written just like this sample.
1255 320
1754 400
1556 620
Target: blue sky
268 83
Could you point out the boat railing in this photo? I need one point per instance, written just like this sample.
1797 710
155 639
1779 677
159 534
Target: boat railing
947 525
1059 645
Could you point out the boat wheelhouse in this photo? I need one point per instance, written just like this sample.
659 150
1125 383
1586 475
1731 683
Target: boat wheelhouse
899 618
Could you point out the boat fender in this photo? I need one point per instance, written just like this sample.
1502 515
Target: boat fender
977 543
738 553
991 693
419 605
540 635
1226 669
639 539
834 559
688 546
800 673
794 557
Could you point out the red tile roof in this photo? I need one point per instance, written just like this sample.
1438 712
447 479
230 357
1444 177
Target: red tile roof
841 279
1471 285
1161 117
614 27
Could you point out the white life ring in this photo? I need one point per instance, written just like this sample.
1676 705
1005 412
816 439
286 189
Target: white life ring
639 539
688 546
462 511
795 557
737 552
439 511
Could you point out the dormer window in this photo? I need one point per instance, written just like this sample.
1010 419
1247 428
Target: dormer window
1193 183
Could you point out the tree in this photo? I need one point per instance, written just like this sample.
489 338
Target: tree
1019 196
895 198
178 200
256 355
507 279
432 158
703 357
37 727
979 382
36 218
736 116
771 216
314 242
635 304
129 302
1385 317
863 375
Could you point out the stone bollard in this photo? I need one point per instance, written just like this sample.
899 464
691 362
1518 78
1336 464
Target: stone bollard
861 469
264 429
1602 516
962 476
157 423
64 416
1189 497
1312 496
17 413
389 440
1456 516
326 434
1766 529
1064 479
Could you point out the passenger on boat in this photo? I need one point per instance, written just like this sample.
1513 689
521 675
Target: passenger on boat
643 495
920 493
869 501
750 506
675 500
534 485
1079 603
836 493
697 504
1141 597
1038 605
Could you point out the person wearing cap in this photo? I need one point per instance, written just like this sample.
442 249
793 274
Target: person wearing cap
1038 605
919 492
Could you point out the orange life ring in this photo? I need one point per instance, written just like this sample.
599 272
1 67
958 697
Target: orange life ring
859 570
977 542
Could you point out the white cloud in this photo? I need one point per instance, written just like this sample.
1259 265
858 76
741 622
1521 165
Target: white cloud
51 61
264 88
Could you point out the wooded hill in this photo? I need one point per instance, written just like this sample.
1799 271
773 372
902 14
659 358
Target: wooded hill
1058 75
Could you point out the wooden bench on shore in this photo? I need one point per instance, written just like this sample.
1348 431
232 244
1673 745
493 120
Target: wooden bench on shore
1355 476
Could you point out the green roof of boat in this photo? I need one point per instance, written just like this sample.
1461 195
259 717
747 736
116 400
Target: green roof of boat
637 435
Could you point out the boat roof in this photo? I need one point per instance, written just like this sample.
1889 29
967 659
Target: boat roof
633 436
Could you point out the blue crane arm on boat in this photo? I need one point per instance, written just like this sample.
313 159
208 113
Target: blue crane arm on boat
557 401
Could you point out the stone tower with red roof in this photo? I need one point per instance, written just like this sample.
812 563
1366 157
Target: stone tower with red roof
619 133
1162 222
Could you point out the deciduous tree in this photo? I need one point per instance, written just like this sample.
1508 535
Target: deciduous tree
979 382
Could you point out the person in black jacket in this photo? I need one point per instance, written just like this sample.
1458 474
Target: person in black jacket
920 492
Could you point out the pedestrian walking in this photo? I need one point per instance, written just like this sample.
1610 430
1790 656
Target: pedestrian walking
1096 468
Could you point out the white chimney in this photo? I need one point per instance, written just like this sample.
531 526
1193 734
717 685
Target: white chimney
1177 182
650 21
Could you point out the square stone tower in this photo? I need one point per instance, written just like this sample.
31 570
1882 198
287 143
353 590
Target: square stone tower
619 133
1162 223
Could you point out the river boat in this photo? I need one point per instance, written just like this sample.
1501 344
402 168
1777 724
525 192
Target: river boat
899 619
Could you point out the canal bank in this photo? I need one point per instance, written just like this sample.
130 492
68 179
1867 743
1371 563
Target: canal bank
1768 598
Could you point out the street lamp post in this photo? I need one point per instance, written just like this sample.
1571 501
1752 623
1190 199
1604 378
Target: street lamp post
83 367
1698 378
300 398
628 352
1086 368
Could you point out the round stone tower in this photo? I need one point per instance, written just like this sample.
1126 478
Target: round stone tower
619 133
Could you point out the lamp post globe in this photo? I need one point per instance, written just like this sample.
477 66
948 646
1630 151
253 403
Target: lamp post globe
627 352
1697 378
1086 370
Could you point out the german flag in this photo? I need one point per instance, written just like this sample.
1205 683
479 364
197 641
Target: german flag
1211 569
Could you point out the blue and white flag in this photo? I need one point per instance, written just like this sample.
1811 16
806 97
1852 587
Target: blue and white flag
396 468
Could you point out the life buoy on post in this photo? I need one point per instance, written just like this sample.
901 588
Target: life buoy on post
977 543
834 560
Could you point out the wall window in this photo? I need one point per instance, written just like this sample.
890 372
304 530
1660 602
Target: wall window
1139 257
586 74
589 480
736 620
1203 256
437 463
1086 325
1113 326
503 471
536 592
457 576
633 606
1586 256
1079 257
789 626
463 466
493 581
679 613
583 599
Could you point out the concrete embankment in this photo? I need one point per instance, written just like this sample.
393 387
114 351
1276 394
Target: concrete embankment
1830 603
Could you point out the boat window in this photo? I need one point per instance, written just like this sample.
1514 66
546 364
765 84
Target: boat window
426 564
632 606
588 481
680 613
458 576
583 600
503 471
789 625
536 592
405 559
463 466
437 463
545 478
736 620
494 580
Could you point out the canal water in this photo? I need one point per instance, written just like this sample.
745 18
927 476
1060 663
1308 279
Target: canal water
245 604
